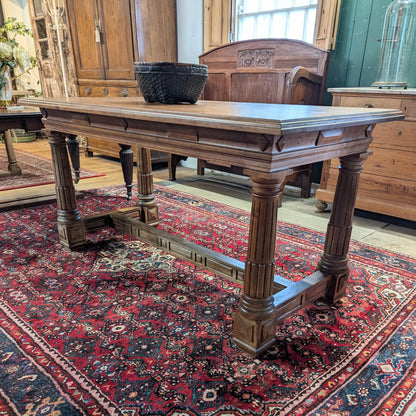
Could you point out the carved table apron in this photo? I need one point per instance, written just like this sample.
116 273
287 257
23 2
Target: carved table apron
267 140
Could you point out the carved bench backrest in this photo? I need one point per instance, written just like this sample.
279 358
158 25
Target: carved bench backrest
262 70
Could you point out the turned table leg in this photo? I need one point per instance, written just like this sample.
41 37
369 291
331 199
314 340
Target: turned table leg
334 260
126 160
73 150
71 228
145 198
13 166
255 319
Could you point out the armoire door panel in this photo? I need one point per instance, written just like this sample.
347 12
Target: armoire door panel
84 18
117 42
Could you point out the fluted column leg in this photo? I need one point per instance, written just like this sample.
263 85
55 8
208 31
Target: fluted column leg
255 319
145 198
334 260
71 228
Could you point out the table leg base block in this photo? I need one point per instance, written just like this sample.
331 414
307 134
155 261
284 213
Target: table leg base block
337 270
150 215
254 337
255 324
336 288
147 214
73 235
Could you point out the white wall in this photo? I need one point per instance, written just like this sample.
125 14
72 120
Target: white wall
190 18
19 9
190 15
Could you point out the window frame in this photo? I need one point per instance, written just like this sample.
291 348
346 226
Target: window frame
219 23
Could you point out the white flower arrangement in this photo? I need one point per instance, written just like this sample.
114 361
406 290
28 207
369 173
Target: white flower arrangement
12 55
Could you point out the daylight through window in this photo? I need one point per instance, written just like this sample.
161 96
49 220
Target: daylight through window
256 19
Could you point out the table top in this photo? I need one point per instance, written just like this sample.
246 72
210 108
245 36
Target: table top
19 117
249 117
259 137
19 111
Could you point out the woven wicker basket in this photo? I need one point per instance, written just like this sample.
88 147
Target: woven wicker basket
171 82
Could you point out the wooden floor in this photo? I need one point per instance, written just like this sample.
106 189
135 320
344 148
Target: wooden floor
386 232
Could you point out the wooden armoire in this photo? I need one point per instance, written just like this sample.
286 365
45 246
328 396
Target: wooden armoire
100 41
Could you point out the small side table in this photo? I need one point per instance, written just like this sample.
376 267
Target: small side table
18 117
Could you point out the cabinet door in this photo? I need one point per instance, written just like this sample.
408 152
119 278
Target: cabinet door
83 17
116 38
217 23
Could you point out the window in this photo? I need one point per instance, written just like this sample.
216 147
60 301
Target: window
314 21
40 27
256 19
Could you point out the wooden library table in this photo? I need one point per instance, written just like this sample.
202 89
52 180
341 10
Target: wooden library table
267 140
26 118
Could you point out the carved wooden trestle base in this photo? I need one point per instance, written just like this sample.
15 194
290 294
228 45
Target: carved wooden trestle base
268 140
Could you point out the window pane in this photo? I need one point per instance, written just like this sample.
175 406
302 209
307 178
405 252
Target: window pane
266 5
251 6
302 3
246 28
311 26
263 24
295 25
41 27
278 28
283 4
44 50
37 6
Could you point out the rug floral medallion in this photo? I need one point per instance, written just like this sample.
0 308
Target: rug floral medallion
121 328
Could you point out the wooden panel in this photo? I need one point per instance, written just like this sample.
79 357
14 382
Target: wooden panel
376 102
408 106
107 91
117 39
217 26
380 188
273 55
88 58
267 87
217 88
385 163
156 30
326 25
367 64
395 135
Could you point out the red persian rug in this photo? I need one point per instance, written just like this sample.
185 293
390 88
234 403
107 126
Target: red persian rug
121 328
36 171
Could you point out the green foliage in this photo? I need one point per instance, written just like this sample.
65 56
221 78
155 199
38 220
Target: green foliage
13 55
11 28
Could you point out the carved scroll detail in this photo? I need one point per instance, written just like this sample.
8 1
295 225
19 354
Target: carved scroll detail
255 58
